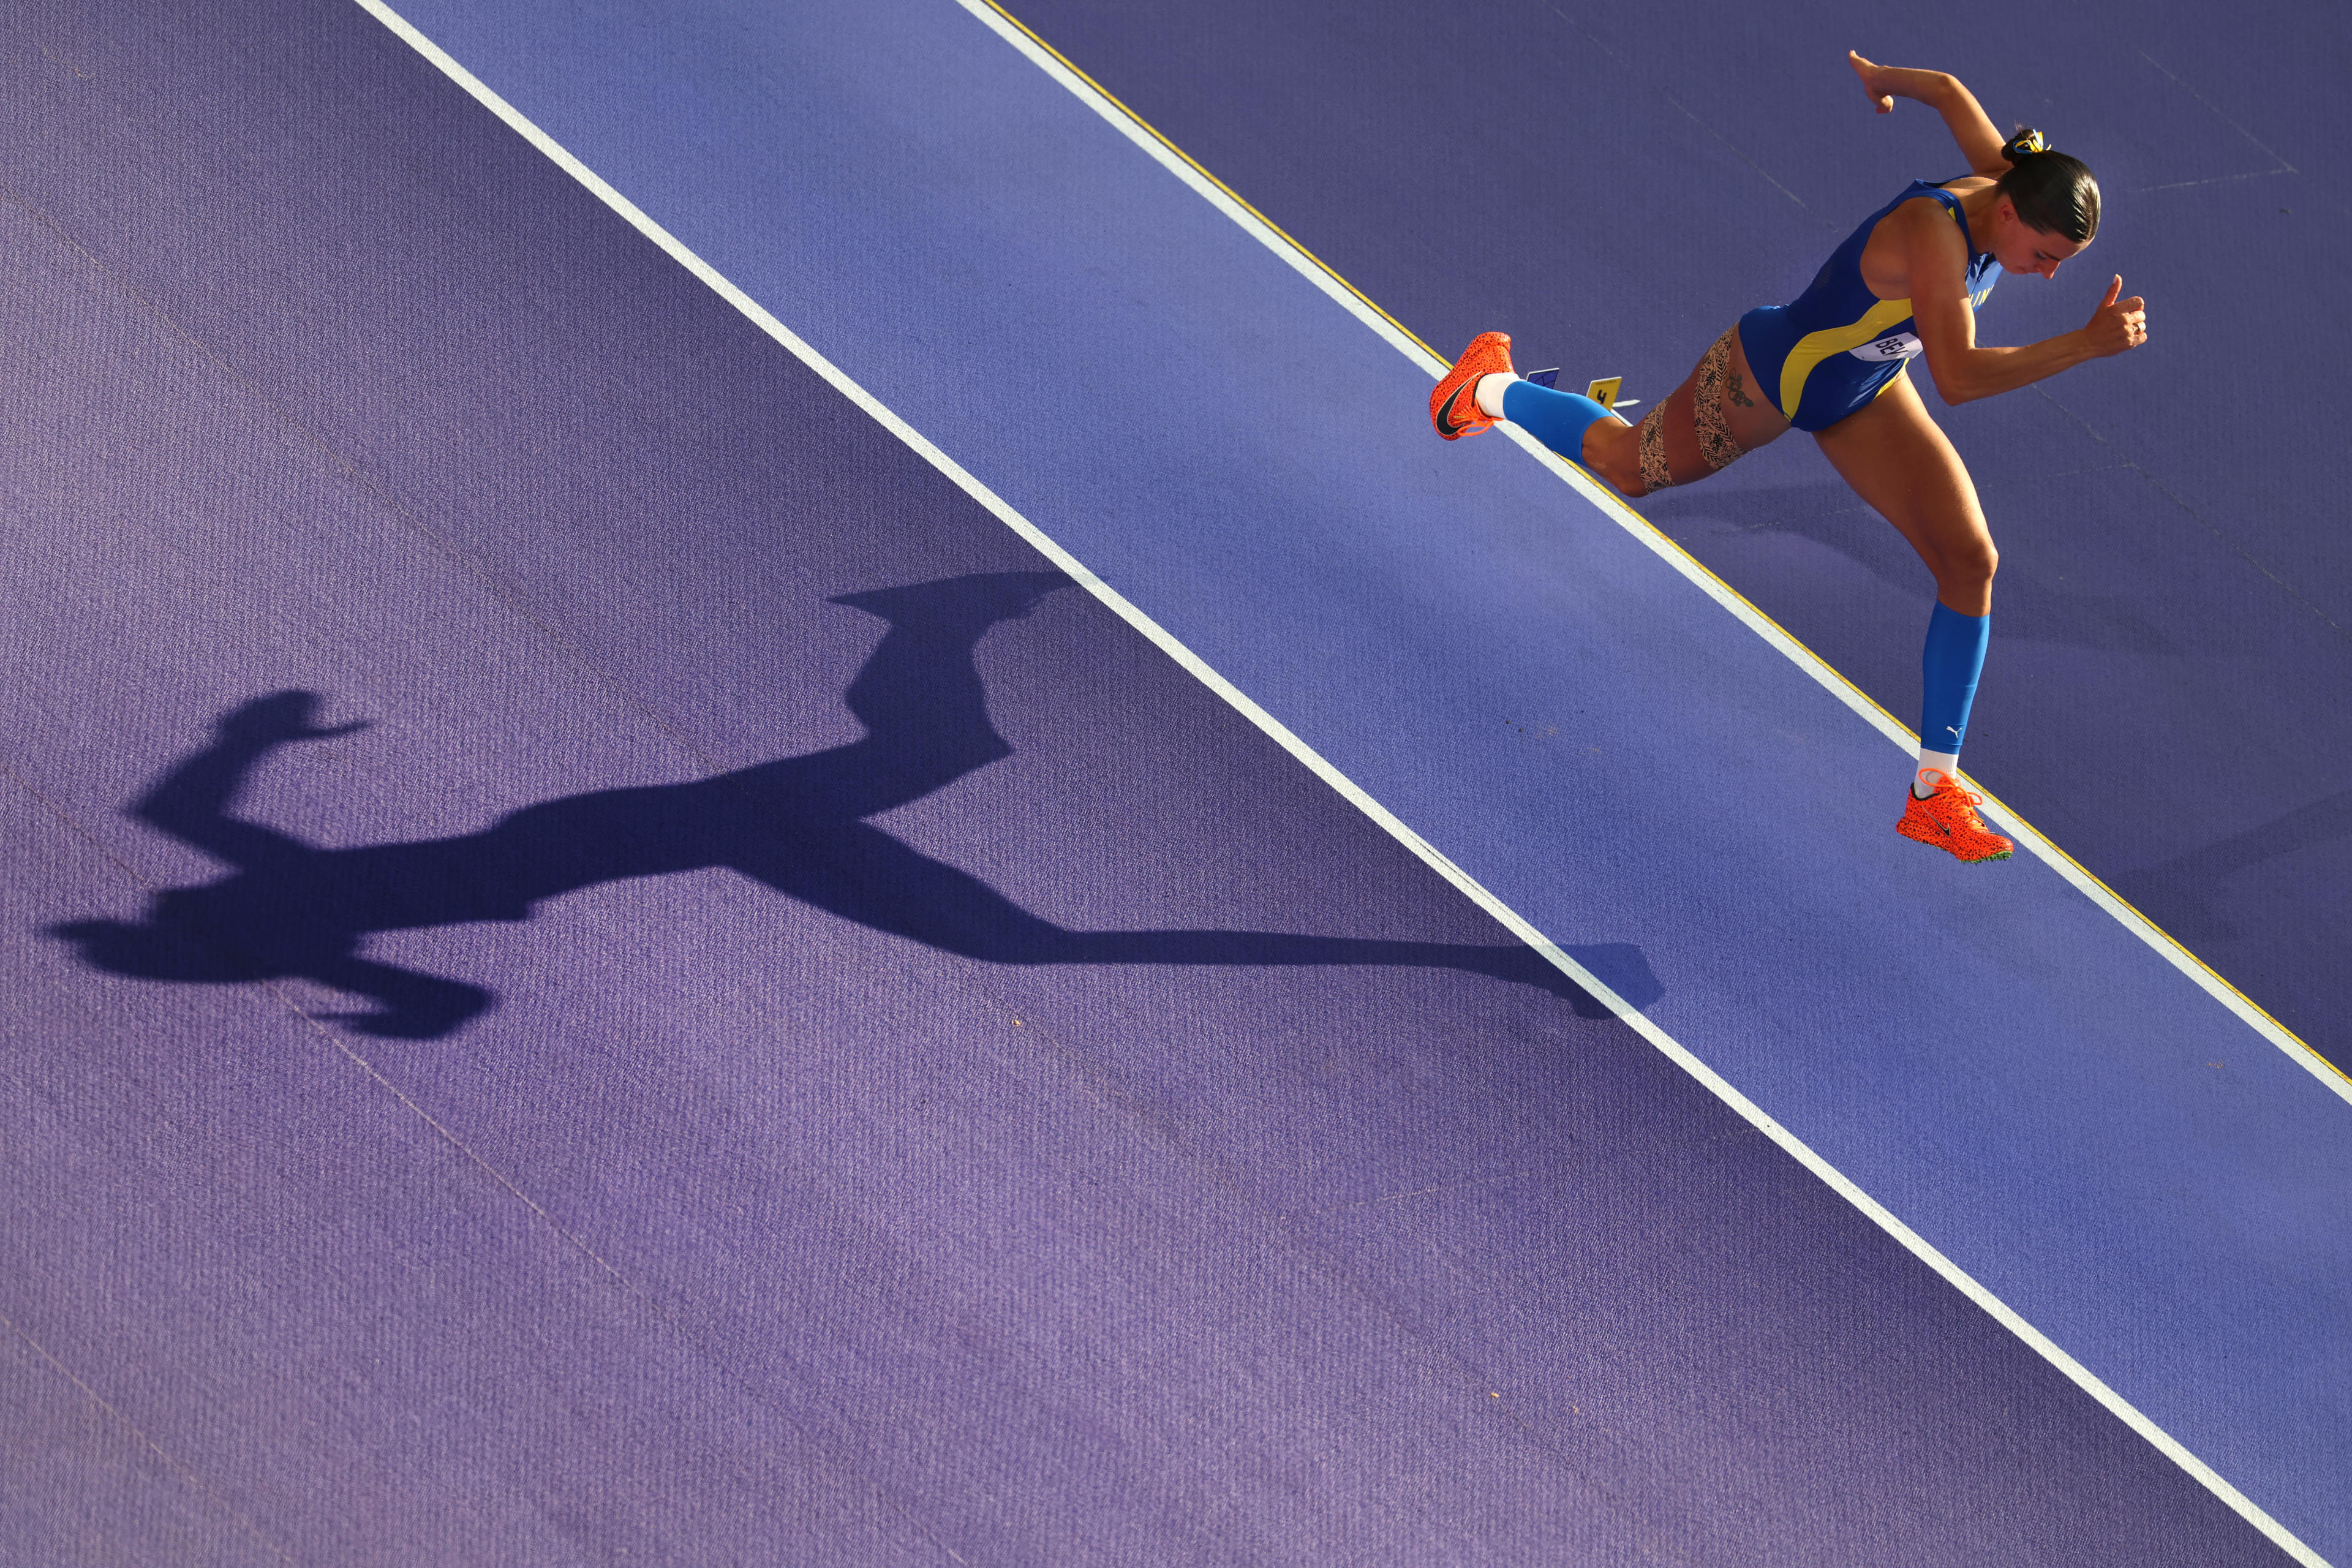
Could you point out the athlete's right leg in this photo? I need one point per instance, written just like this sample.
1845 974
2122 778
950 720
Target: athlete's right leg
1896 458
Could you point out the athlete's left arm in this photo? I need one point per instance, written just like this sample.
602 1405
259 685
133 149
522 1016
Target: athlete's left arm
1964 371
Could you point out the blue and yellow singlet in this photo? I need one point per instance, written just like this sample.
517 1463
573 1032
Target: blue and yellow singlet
1837 346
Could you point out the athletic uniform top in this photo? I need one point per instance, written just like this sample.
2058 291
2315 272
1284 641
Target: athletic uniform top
1837 346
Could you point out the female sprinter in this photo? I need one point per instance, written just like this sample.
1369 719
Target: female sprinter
1907 282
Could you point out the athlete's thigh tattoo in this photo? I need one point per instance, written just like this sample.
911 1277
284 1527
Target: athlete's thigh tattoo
1716 442
1656 474
1717 445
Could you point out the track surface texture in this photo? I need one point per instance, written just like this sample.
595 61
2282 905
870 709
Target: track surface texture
1613 185
607 967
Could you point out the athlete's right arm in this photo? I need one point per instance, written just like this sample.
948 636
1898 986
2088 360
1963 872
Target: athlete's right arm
1980 144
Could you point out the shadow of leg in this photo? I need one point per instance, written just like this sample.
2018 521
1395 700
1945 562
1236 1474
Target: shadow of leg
861 873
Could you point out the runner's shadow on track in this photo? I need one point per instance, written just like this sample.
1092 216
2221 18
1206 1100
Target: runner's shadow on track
796 825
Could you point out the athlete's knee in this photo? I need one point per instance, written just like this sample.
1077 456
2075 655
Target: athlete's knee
1964 578
1612 451
1971 564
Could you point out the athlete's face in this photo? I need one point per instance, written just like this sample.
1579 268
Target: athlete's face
2020 248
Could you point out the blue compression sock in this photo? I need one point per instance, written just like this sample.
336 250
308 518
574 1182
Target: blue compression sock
1559 419
1950 668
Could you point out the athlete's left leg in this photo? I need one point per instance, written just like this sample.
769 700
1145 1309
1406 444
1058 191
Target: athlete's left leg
1714 417
1896 458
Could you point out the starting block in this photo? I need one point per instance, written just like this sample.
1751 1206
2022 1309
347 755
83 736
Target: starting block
1603 391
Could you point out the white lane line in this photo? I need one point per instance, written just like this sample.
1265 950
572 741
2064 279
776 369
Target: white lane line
1665 549
1192 664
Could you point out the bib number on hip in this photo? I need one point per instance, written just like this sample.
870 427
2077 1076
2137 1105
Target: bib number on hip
1902 345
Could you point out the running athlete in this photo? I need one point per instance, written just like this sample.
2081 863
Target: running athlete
1907 284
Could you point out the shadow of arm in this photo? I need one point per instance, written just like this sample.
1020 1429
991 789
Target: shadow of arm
191 802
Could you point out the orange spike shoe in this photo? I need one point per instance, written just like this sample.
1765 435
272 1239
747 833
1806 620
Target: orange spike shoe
1453 406
1949 820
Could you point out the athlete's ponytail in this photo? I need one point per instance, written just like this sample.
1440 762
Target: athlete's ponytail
2051 190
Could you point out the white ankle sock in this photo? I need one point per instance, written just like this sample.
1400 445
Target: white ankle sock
1490 395
1935 767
